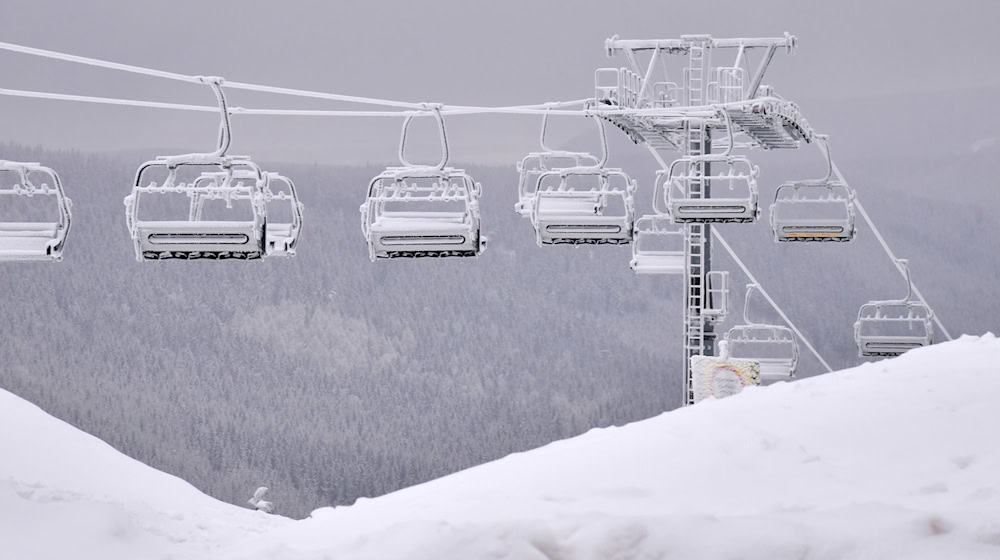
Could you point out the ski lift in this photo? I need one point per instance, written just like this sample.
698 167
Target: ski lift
154 211
282 207
281 233
535 163
774 347
716 305
891 327
422 210
35 213
584 205
657 246
694 175
817 210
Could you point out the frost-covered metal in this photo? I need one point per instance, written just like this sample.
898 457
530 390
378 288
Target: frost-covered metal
284 215
733 180
814 210
658 246
548 159
590 204
422 210
282 208
773 346
208 205
891 327
161 226
35 213
683 107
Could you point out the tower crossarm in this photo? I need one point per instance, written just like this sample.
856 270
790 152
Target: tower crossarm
615 45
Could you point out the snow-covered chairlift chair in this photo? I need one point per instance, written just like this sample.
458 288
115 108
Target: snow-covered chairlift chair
733 184
584 205
281 236
711 188
773 346
422 210
283 211
891 327
235 232
155 211
816 210
35 213
535 163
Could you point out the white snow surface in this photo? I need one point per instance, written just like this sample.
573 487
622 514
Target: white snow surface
895 459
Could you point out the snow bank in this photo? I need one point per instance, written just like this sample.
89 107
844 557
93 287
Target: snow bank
899 458
66 494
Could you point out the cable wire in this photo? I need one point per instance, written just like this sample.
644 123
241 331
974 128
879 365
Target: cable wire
54 55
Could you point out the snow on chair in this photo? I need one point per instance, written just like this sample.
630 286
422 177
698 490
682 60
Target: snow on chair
816 210
891 327
282 208
34 213
773 346
584 205
535 163
657 246
421 210
167 217
284 215
692 186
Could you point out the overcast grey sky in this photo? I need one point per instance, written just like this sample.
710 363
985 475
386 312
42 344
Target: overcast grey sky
856 59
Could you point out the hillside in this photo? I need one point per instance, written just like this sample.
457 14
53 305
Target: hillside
891 459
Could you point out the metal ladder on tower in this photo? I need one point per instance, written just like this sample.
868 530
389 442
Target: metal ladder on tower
696 245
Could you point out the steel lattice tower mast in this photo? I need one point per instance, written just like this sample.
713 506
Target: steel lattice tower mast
681 117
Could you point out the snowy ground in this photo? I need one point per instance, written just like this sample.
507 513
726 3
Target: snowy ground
897 459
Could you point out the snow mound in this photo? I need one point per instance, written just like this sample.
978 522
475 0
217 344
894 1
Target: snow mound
898 458
66 494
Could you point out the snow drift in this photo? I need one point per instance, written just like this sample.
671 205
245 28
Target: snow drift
890 459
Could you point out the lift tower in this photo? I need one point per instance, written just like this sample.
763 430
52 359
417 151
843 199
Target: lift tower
646 101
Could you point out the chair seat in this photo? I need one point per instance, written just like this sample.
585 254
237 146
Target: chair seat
658 264
45 230
565 205
12 247
447 222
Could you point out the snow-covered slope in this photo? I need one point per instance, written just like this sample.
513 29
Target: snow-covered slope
66 494
899 458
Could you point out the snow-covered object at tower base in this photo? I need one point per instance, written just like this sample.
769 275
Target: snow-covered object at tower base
893 459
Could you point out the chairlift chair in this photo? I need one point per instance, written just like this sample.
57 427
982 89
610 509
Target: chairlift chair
535 163
584 205
154 210
819 210
282 208
34 213
716 305
891 327
657 246
422 210
236 234
692 186
693 175
281 236
774 347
